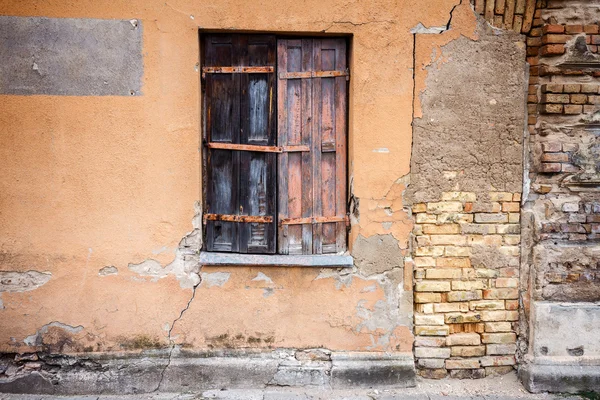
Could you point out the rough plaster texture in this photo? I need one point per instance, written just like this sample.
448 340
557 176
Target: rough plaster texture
96 181
468 130
76 57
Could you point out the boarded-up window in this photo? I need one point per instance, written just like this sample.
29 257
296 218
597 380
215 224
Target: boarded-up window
265 154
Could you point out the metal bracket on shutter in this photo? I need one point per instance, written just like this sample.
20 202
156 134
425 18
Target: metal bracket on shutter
314 74
262 149
314 220
258 219
237 70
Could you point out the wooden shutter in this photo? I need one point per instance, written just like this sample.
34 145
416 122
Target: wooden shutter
312 111
239 75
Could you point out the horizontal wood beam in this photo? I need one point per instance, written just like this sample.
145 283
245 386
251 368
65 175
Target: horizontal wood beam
258 219
312 74
314 220
262 149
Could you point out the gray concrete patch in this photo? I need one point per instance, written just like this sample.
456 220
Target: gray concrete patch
72 57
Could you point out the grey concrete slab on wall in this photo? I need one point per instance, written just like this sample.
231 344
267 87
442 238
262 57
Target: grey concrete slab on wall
70 57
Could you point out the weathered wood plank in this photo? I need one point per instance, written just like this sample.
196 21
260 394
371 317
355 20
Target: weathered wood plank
341 140
317 229
307 133
282 160
312 74
258 219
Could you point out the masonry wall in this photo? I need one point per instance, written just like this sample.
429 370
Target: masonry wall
100 191
466 184
560 280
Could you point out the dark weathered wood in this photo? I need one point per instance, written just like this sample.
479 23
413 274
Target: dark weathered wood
317 229
312 74
282 162
240 128
258 219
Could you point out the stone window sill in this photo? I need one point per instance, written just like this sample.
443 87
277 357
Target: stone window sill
275 260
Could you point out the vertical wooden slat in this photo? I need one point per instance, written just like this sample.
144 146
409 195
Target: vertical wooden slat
509 14
340 145
316 149
528 16
307 133
282 118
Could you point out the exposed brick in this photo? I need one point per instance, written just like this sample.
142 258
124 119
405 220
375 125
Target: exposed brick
467 351
552 88
507 283
589 88
573 109
429 319
419 208
432 352
462 318
428 297
570 147
433 373
555 98
510 229
450 307
432 286
501 196
491 218
453 240
502 337
424 261
463 364
455 251
553 28
432 330
444 206
550 167
468 285
447 218
478 229
453 262
578 99
572 88
478 373
497 361
554 157
423 218
573 29
551 147
443 273
511 304
430 363
467 328
551 109
497 371
593 99
429 251
463 339
459 196
501 294
500 326
551 50
446 229
496 315
465 295
486 305
430 341
570 207
501 349
488 240
590 29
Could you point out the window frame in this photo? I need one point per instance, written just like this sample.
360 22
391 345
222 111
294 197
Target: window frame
339 259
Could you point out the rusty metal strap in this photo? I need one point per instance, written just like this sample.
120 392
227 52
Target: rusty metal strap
258 219
313 74
237 70
314 220
262 149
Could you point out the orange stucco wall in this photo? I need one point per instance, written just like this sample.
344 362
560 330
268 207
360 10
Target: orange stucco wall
95 181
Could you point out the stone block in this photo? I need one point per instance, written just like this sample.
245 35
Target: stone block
432 286
463 339
429 319
487 305
501 349
497 361
462 318
465 295
471 363
432 330
491 218
503 337
467 351
432 352
428 297
468 373
500 326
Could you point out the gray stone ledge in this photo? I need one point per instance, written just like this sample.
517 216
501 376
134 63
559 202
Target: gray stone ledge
196 371
560 378
275 260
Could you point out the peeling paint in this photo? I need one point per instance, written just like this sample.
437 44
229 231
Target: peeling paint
262 277
214 279
37 338
13 281
108 270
